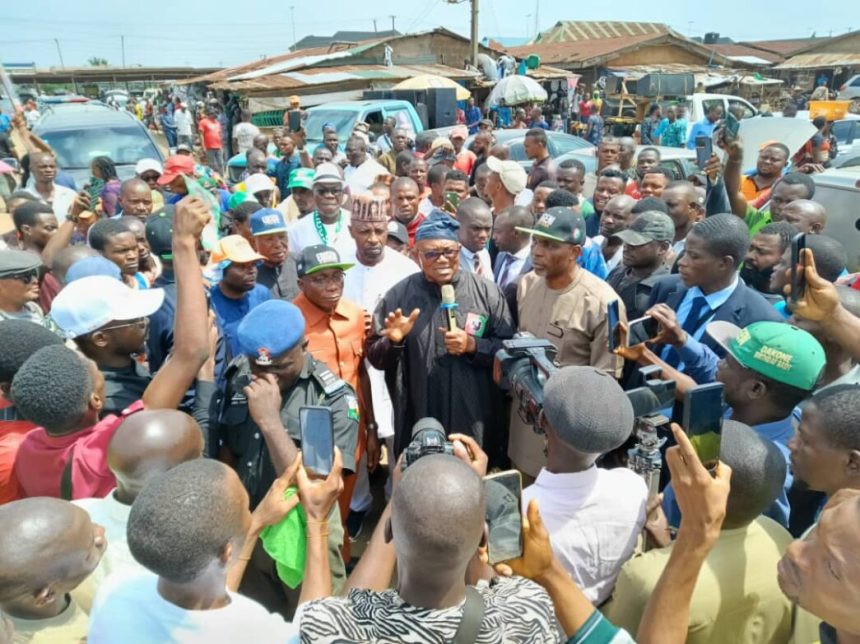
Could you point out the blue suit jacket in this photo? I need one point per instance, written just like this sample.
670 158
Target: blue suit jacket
743 307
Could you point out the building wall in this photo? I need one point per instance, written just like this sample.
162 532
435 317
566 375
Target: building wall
422 50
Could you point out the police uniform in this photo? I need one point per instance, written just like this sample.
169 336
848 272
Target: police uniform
237 431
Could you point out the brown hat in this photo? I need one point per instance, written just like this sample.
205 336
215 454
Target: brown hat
369 208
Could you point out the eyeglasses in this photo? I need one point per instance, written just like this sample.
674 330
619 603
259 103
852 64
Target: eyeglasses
26 277
335 277
138 322
328 190
434 255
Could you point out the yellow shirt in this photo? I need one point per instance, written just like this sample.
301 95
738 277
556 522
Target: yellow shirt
737 597
69 627
574 320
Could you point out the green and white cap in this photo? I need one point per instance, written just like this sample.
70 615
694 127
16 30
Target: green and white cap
559 224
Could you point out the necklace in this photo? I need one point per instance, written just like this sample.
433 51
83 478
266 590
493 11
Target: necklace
322 232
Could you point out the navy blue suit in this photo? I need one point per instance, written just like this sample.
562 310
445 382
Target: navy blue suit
743 307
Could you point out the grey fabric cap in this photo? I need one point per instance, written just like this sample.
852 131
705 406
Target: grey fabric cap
588 409
649 226
13 262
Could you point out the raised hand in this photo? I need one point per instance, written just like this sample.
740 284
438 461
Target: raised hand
274 506
319 496
820 297
398 326
264 400
190 218
537 551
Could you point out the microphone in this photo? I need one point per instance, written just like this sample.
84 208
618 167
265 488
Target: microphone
448 306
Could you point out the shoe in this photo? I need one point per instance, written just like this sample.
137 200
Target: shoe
354 522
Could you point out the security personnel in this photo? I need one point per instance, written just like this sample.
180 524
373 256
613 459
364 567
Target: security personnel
258 412
19 286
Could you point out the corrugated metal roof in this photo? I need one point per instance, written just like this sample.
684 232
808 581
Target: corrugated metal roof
573 51
737 51
579 30
815 61
786 46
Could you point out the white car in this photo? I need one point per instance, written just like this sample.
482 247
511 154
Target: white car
850 91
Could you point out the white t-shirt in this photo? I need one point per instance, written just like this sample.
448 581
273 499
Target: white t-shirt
359 179
366 285
61 201
129 610
244 134
303 233
183 122
113 517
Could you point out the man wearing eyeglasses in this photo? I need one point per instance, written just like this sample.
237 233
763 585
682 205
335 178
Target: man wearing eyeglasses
328 224
431 369
19 286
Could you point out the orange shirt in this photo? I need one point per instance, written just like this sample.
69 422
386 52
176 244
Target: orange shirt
336 340
751 191
465 162
12 434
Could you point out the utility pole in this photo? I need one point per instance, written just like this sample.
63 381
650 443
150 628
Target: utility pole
122 44
374 26
293 20
474 34
392 21
537 14
59 52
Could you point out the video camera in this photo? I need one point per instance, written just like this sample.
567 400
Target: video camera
524 363
428 437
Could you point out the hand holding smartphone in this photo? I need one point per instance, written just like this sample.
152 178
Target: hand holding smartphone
703 421
614 330
644 328
317 431
504 516
704 150
798 266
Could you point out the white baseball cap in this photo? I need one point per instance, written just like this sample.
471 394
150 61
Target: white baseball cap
89 303
148 165
258 182
511 173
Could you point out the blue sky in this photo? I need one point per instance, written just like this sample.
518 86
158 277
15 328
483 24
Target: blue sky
221 32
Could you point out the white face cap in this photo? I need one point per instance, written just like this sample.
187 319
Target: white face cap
511 174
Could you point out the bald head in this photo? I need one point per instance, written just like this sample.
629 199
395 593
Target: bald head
437 516
150 443
501 152
805 215
403 182
67 256
622 202
255 160
474 209
135 198
261 142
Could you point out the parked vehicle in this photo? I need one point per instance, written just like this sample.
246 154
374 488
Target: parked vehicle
850 90
345 114
838 190
681 162
558 144
78 133
847 133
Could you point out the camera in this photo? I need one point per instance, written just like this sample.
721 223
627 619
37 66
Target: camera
522 366
428 437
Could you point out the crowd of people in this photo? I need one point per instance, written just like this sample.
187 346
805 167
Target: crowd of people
161 335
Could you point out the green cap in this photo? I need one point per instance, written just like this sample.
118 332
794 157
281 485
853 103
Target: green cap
650 226
236 198
559 224
318 258
777 350
302 178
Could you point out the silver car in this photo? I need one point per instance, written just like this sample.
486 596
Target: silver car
838 191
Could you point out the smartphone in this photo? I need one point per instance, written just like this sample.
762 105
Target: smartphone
454 199
798 278
503 513
643 328
94 191
731 127
317 439
614 328
704 150
294 120
703 421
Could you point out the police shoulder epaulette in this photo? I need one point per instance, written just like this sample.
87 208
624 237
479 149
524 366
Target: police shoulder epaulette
331 384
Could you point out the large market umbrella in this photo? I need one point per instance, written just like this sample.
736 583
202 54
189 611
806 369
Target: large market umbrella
428 81
514 90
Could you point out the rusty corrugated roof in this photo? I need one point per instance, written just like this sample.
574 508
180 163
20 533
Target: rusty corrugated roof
816 61
741 49
787 46
580 30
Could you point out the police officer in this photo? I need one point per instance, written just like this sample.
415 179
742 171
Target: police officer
258 411
19 286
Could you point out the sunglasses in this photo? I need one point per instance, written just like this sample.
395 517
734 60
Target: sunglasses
26 277
434 255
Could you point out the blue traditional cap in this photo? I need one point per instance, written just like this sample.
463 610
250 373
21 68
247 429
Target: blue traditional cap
439 225
270 329
267 221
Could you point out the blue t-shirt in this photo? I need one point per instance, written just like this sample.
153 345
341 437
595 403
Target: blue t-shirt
591 259
231 312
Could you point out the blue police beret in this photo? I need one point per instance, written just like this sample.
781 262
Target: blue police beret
439 225
269 330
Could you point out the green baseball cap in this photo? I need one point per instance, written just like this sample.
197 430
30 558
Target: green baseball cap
559 224
776 350
318 258
237 198
302 178
650 226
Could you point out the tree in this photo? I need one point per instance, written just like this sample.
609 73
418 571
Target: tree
95 61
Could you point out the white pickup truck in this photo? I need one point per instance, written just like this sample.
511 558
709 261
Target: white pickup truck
699 104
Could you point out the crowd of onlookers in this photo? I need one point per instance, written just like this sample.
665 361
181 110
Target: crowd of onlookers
161 335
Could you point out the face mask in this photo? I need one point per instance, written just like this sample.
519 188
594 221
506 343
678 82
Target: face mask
757 279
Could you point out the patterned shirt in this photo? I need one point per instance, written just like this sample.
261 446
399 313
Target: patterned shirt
516 610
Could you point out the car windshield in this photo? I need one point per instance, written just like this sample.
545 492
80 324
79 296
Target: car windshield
341 119
76 148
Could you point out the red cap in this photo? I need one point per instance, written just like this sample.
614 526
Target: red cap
174 166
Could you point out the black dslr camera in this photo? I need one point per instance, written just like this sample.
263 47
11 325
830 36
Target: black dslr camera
428 437
522 366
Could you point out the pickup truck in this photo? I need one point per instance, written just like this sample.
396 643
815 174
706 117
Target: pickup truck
345 114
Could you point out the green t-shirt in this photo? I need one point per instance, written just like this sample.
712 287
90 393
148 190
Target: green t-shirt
756 219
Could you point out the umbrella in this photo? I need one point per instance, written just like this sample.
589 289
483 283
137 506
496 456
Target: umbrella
428 81
514 90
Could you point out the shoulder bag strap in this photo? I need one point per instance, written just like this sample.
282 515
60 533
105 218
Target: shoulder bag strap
473 615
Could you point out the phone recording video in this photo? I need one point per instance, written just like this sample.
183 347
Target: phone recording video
703 421
504 516
317 439
798 272
731 127
644 328
704 150
614 328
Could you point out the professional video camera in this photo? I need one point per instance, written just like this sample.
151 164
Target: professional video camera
522 366
428 437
